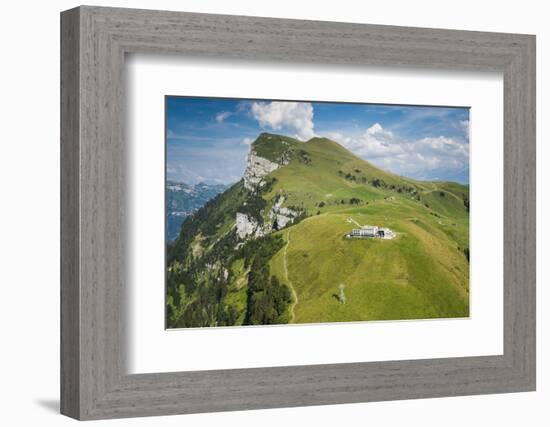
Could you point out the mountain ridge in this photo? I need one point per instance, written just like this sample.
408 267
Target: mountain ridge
225 268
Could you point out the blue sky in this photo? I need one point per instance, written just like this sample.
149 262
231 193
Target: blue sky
208 138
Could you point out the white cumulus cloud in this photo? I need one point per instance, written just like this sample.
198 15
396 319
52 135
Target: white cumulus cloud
371 143
297 117
220 117
465 127
377 129
428 156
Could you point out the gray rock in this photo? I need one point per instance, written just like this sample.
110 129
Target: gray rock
248 226
256 168
282 215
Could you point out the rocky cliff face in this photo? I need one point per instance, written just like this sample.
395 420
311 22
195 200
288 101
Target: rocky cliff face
281 216
248 226
275 216
256 168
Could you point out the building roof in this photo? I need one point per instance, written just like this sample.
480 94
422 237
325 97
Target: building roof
369 227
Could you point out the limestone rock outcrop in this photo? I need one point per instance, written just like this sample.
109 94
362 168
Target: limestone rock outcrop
248 226
256 168
281 216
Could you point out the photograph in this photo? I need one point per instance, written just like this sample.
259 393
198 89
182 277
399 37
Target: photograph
302 212
284 214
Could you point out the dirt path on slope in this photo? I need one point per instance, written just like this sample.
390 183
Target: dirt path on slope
292 290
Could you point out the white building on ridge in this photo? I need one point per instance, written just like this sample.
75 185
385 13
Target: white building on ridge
372 231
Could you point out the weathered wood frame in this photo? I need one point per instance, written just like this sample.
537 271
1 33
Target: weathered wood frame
94 41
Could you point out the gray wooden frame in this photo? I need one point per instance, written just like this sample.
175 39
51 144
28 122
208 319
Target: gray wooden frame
94 382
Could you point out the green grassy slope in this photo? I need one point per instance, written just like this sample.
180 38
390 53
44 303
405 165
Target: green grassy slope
422 273
419 274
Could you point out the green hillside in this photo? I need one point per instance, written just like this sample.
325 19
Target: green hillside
297 273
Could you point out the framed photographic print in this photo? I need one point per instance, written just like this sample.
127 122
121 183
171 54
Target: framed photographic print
300 227
261 213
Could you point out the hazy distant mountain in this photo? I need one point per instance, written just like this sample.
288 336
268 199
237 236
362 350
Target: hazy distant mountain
184 199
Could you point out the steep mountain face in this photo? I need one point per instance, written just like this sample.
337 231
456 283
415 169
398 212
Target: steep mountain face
265 157
271 248
256 168
184 199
